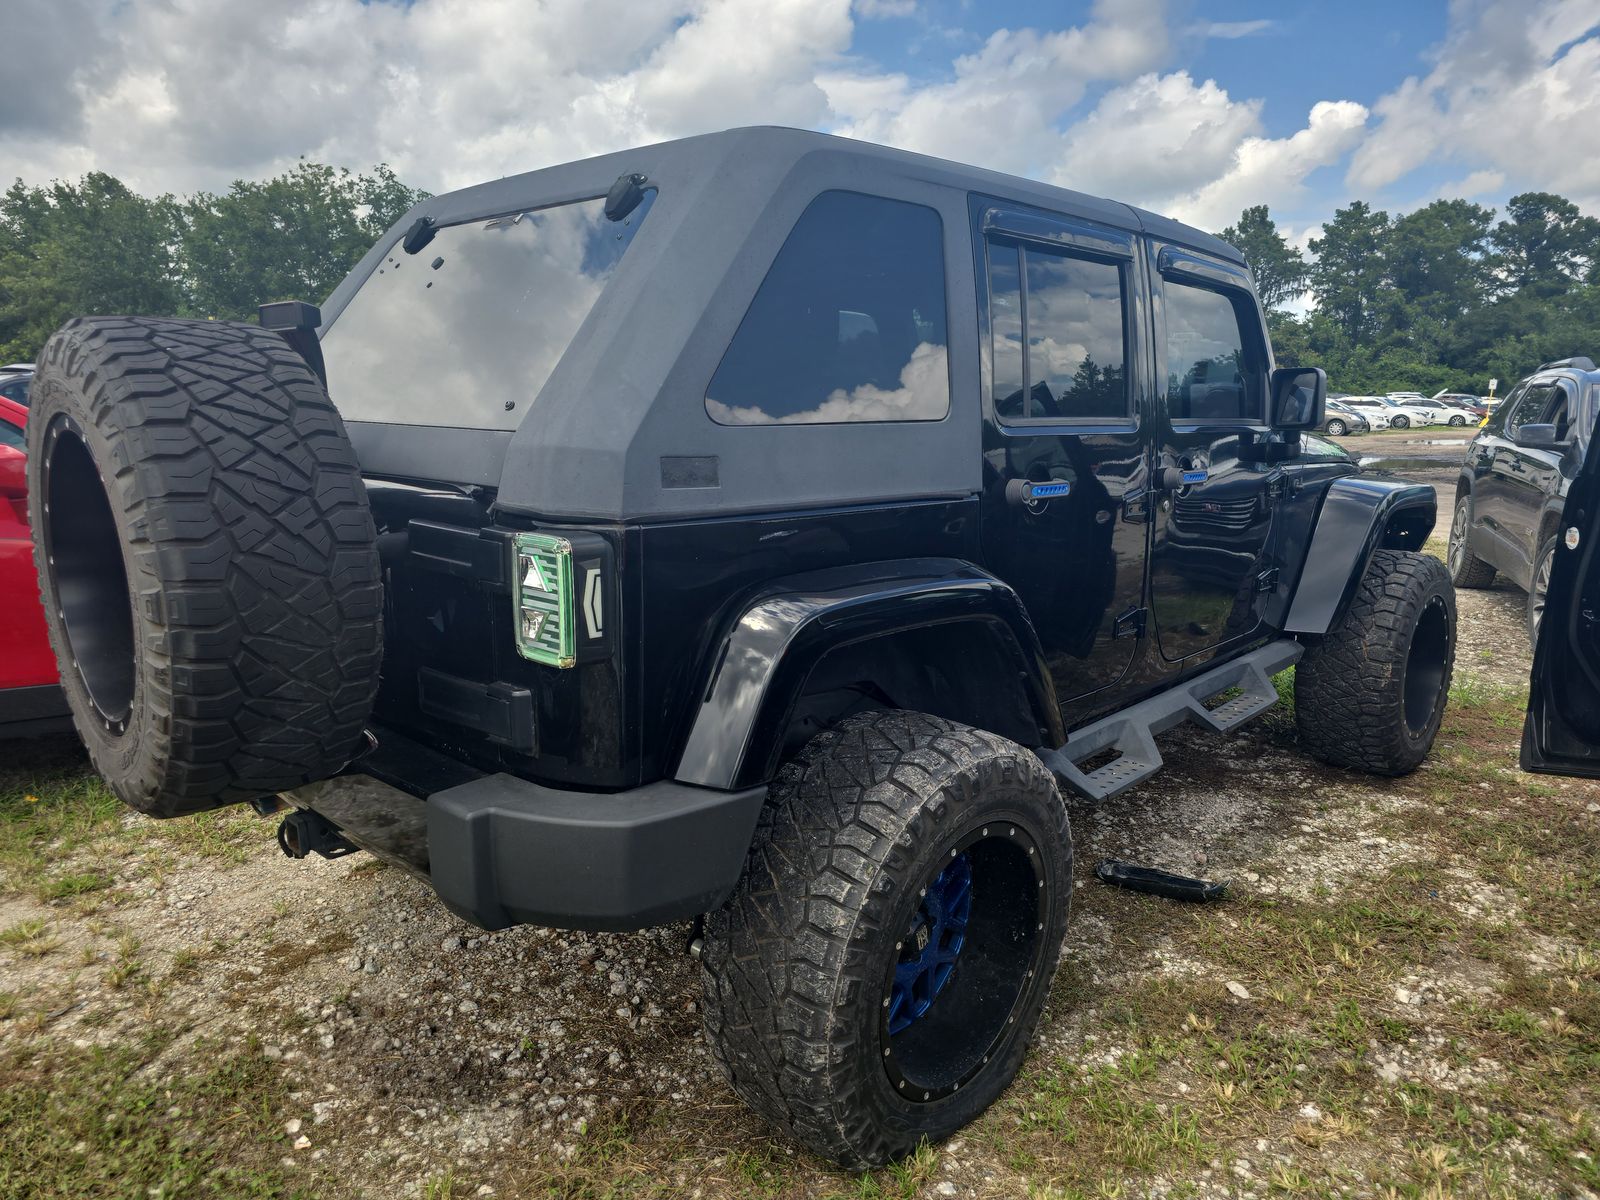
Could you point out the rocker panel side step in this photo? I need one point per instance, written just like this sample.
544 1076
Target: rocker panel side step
1132 732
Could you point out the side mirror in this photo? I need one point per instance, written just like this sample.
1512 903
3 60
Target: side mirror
1299 395
13 474
1537 435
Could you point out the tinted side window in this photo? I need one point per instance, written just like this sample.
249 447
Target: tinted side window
1214 372
1530 407
848 325
16 389
11 436
1058 349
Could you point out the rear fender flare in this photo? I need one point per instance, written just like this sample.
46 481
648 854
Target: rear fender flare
1359 514
762 664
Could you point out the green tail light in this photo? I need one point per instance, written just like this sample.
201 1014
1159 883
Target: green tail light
543 593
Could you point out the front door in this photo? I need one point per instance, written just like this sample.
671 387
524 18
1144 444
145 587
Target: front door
1208 580
1064 448
1562 732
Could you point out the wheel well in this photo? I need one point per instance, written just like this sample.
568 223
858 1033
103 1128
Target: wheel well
1408 528
965 671
1463 488
1548 524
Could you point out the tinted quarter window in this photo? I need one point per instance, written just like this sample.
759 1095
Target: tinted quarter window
848 325
1214 372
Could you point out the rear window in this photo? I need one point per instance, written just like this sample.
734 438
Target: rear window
466 332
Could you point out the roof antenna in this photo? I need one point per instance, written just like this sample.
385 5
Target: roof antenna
624 196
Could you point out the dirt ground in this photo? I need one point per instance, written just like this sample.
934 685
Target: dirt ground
1398 999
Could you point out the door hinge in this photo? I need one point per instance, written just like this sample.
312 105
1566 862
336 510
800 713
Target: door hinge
1136 508
1267 581
1129 624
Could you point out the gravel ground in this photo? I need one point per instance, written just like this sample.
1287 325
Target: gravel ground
417 1049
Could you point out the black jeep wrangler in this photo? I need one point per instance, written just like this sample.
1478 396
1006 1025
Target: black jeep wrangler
764 529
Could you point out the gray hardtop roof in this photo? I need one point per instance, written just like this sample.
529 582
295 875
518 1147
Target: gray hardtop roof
765 149
724 204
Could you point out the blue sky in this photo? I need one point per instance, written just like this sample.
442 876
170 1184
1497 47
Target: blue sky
1196 108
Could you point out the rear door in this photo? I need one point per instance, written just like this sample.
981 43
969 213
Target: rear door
1528 475
1064 500
1207 583
1562 733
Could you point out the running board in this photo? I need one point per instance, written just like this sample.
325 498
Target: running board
1131 733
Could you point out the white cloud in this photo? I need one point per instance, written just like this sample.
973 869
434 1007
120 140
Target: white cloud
1514 90
1229 30
1158 136
1273 171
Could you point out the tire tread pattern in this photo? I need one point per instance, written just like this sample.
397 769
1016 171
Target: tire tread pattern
1349 692
252 556
782 960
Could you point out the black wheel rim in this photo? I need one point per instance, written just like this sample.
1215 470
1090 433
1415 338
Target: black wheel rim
963 966
1425 666
88 581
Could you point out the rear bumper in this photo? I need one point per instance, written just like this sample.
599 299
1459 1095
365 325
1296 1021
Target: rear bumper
501 851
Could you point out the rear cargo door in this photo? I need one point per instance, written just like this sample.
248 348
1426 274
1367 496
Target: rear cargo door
1208 584
1562 733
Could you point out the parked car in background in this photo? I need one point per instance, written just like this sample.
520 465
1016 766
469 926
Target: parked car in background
1340 419
15 384
1472 405
1378 414
31 700
1514 481
1406 413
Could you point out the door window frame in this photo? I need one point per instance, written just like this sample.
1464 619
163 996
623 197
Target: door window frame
1063 236
1185 268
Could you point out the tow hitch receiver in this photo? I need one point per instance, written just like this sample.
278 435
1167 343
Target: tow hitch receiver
304 831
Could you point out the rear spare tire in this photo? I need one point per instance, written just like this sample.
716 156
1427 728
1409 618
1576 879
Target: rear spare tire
206 558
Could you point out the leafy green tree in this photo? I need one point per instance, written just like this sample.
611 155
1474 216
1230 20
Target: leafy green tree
1349 271
92 247
1545 244
1279 268
292 237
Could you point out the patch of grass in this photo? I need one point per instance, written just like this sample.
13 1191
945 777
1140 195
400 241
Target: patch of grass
32 938
96 1123
76 884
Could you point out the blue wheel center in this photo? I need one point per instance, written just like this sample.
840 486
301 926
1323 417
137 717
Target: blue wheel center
929 950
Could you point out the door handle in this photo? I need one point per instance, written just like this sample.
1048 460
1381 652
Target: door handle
1171 479
1028 493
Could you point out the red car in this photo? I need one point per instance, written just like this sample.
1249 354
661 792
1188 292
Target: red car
30 694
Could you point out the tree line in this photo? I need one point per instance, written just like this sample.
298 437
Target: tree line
1445 297
1442 298
95 246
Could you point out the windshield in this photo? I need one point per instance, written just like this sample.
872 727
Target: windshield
465 332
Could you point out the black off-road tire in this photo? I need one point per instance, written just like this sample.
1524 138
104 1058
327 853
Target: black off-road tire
799 964
1467 570
1539 585
206 557
1371 693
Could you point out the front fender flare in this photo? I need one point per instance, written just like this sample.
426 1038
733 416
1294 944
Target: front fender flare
1358 515
785 629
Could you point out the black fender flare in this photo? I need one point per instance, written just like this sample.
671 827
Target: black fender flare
1359 514
767 653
